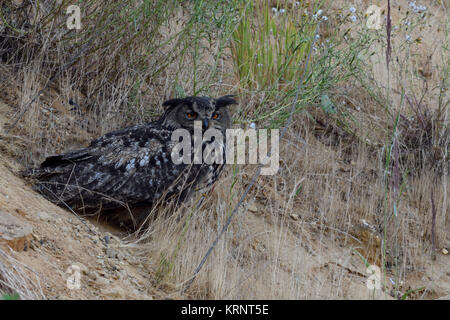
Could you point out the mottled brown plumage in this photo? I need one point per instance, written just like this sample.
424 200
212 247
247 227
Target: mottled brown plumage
133 167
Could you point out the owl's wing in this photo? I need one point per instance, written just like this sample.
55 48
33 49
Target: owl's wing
132 165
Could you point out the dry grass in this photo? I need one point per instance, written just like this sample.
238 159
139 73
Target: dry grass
16 278
299 232
273 252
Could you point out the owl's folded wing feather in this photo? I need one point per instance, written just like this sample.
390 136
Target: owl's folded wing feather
126 166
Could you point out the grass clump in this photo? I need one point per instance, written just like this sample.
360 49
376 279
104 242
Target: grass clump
270 44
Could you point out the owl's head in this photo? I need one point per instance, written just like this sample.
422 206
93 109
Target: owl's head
213 113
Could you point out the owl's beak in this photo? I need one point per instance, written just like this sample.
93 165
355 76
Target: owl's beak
205 124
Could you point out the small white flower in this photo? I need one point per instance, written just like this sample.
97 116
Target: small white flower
296 4
260 65
306 12
325 18
282 11
352 9
319 12
274 10
253 125
317 36
353 18
422 8
417 8
408 38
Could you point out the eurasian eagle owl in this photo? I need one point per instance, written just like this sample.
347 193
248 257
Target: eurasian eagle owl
133 167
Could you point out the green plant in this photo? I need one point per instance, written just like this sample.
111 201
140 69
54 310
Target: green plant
409 292
7 296
270 45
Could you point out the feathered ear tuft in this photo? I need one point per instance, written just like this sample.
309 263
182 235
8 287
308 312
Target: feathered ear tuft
226 100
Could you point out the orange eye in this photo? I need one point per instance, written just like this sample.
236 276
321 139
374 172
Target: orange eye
191 115
216 116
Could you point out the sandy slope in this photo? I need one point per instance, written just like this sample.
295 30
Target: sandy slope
60 240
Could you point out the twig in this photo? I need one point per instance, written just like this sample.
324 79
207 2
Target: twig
388 35
257 173
417 111
433 226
